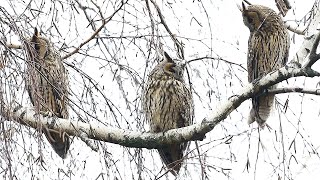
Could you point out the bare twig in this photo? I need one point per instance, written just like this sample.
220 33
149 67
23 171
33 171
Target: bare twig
216 58
246 1
104 22
178 44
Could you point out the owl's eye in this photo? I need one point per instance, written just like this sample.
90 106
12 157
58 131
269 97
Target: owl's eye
36 46
250 20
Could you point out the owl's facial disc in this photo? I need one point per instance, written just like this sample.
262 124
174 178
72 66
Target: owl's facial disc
251 19
173 70
169 68
43 49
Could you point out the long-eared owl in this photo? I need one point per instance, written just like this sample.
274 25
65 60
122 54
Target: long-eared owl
168 104
47 86
268 50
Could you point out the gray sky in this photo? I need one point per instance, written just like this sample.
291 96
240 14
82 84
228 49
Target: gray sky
217 31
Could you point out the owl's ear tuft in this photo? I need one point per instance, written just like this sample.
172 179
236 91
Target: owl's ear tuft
244 8
36 32
35 35
167 58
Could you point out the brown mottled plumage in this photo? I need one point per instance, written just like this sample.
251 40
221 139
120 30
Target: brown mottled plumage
268 50
168 104
47 86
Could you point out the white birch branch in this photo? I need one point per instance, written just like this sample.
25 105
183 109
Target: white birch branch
307 44
294 90
130 138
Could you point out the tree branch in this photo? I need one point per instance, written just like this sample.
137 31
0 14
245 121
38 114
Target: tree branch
283 6
216 58
14 46
173 37
313 54
104 22
307 44
295 29
294 90
129 138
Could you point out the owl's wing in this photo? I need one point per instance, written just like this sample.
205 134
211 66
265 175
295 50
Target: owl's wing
186 107
60 89
286 54
252 61
253 69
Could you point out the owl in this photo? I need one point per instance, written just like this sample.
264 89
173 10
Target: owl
47 86
168 104
268 50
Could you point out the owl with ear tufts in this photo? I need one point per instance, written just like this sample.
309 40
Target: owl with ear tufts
168 104
47 86
268 50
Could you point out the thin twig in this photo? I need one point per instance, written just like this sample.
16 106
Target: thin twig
216 58
178 44
104 22
246 1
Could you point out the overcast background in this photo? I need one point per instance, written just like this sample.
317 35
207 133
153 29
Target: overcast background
117 63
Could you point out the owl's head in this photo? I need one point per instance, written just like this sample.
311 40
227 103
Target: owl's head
172 68
40 44
257 17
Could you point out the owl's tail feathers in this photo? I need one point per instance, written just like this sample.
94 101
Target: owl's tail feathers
172 156
60 141
261 108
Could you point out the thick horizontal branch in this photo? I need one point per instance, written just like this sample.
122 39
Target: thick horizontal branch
28 116
129 138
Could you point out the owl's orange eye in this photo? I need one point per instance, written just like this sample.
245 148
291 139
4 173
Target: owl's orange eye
250 20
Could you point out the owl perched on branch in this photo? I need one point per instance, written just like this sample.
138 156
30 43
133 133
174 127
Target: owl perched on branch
268 50
168 104
47 86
